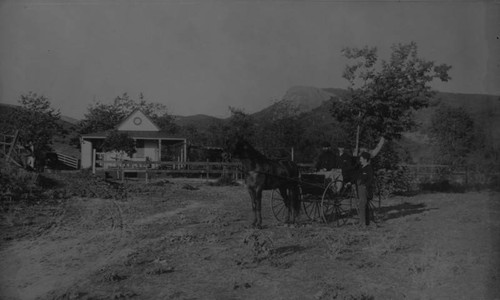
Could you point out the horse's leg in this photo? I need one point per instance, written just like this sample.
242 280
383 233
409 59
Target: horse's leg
258 204
253 197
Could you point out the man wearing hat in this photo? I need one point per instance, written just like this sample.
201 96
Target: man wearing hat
326 160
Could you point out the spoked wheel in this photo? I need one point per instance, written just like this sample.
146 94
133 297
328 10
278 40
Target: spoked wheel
312 207
280 211
336 203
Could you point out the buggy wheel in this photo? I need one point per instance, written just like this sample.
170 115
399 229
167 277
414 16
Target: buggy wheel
280 211
312 207
336 203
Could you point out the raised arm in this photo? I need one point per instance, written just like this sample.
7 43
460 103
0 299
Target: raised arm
377 149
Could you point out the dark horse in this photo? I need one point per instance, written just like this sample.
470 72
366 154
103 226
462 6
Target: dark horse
262 174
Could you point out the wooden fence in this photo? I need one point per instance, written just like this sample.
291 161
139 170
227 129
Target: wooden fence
469 174
68 160
196 169
463 174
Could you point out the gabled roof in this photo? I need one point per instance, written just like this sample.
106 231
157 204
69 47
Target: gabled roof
137 121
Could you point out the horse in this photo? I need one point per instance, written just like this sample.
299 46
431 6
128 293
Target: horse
262 173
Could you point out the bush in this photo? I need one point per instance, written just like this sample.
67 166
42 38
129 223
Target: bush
17 183
443 186
393 182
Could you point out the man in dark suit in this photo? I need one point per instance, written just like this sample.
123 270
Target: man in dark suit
365 188
326 160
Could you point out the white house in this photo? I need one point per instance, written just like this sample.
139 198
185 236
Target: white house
151 143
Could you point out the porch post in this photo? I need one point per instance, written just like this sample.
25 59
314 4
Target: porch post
159 151
185 150
92 160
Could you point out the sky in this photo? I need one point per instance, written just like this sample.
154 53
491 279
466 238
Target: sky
201 57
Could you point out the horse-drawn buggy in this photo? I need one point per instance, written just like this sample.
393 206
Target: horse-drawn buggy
323 197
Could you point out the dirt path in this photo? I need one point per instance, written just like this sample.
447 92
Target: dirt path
196 244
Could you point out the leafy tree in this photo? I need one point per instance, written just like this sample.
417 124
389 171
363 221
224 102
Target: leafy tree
102 117
216 134
453 131
119 142
383 96
240 123
192 134
282 129
36 121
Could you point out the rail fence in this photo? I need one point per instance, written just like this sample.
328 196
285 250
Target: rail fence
462 174
416 174
151 169
68 160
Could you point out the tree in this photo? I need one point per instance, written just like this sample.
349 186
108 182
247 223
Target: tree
240 123
382 97
103 117
280 129
36 121
119 142
216 134
453 131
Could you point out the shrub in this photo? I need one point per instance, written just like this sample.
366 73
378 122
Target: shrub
17 183
393 182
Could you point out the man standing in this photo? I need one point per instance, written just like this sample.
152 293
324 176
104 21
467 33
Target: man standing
347 165
326 160
365 189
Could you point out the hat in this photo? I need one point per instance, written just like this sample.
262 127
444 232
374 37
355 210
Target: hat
366 156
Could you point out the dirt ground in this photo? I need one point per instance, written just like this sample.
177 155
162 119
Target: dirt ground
193 241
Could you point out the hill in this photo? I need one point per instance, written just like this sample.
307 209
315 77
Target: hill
304 98
200 122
